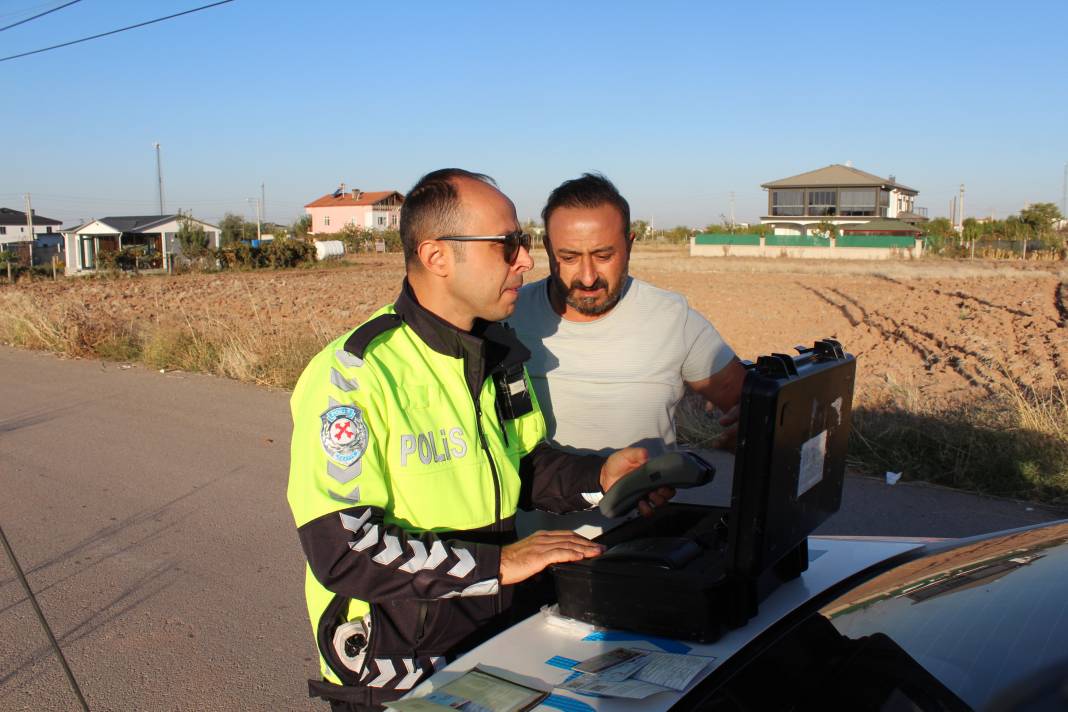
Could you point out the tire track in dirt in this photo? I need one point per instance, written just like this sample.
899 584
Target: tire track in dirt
1060 303
840 307
897 330
960 295
893 334
1050 344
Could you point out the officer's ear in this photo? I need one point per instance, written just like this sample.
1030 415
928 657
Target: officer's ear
434 257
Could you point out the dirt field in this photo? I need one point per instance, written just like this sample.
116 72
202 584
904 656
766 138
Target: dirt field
937 330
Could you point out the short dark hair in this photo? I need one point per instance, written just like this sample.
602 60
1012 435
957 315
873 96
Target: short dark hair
592 190
431 208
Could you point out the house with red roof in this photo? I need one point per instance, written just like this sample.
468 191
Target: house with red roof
370 210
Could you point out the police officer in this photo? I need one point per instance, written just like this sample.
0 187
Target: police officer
415 437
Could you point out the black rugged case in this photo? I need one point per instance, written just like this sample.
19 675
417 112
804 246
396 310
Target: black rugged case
793 433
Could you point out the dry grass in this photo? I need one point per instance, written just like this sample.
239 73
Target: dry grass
1014 444
259 351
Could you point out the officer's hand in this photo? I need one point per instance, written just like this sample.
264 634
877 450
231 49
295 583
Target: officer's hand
529 556
728 439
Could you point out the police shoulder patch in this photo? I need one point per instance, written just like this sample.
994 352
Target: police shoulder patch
344 434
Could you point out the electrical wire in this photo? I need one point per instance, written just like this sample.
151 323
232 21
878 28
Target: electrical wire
115 32
43 621
46 12
9 12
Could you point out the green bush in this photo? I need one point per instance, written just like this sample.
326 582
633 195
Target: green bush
287 252
240 255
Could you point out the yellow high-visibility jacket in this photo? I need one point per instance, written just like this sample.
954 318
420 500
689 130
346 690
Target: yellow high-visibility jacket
413 444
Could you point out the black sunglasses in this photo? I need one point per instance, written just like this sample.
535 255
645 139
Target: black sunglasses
512 242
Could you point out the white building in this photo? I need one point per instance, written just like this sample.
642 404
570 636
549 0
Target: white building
157 233
15 232
837 194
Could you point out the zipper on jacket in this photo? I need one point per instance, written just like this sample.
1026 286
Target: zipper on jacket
493 468
495 527
497 607
420 627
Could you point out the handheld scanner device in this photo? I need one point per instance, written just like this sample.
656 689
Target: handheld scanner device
675 469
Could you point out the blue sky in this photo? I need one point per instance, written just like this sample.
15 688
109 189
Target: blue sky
679 103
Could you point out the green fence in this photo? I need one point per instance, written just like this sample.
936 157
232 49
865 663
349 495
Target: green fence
727 239
797 241
883 241
899 241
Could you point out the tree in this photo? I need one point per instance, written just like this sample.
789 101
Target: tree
640 229
232 227
939 227
192 238
825 229
1041 217
677 234
301 226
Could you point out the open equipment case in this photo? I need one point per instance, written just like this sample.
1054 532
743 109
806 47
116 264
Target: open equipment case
692 571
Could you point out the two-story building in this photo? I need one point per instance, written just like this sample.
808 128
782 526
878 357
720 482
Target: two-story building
377 210
15 234
840 195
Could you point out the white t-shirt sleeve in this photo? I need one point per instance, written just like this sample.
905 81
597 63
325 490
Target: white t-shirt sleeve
707 352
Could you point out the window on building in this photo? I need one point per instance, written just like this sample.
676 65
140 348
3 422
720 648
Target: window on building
326 220
49 229
856 202
381 221
821 202
3 230
787 202
884 202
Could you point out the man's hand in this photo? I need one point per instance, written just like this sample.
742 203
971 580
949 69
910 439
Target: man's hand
526 557
728 439
620 464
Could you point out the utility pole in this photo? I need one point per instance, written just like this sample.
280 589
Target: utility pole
256 202
1064 193
29 225
263 201
732 210
960 209
159 177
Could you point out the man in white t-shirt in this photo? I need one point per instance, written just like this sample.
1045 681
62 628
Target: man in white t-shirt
612 355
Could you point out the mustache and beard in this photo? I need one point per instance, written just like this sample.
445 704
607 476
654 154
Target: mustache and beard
582 299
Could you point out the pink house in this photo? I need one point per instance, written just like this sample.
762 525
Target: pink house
378 210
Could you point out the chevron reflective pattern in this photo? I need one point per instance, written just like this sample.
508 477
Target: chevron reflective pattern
347 359
416 558
399 673
345 384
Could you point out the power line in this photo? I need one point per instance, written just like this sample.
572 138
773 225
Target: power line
43 621
23 10
46 12
115 32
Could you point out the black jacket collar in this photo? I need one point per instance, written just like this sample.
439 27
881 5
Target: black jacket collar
487 348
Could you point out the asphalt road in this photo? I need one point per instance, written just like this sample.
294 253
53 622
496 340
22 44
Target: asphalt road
148 511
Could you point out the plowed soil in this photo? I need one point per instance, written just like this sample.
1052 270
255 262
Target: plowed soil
937 329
